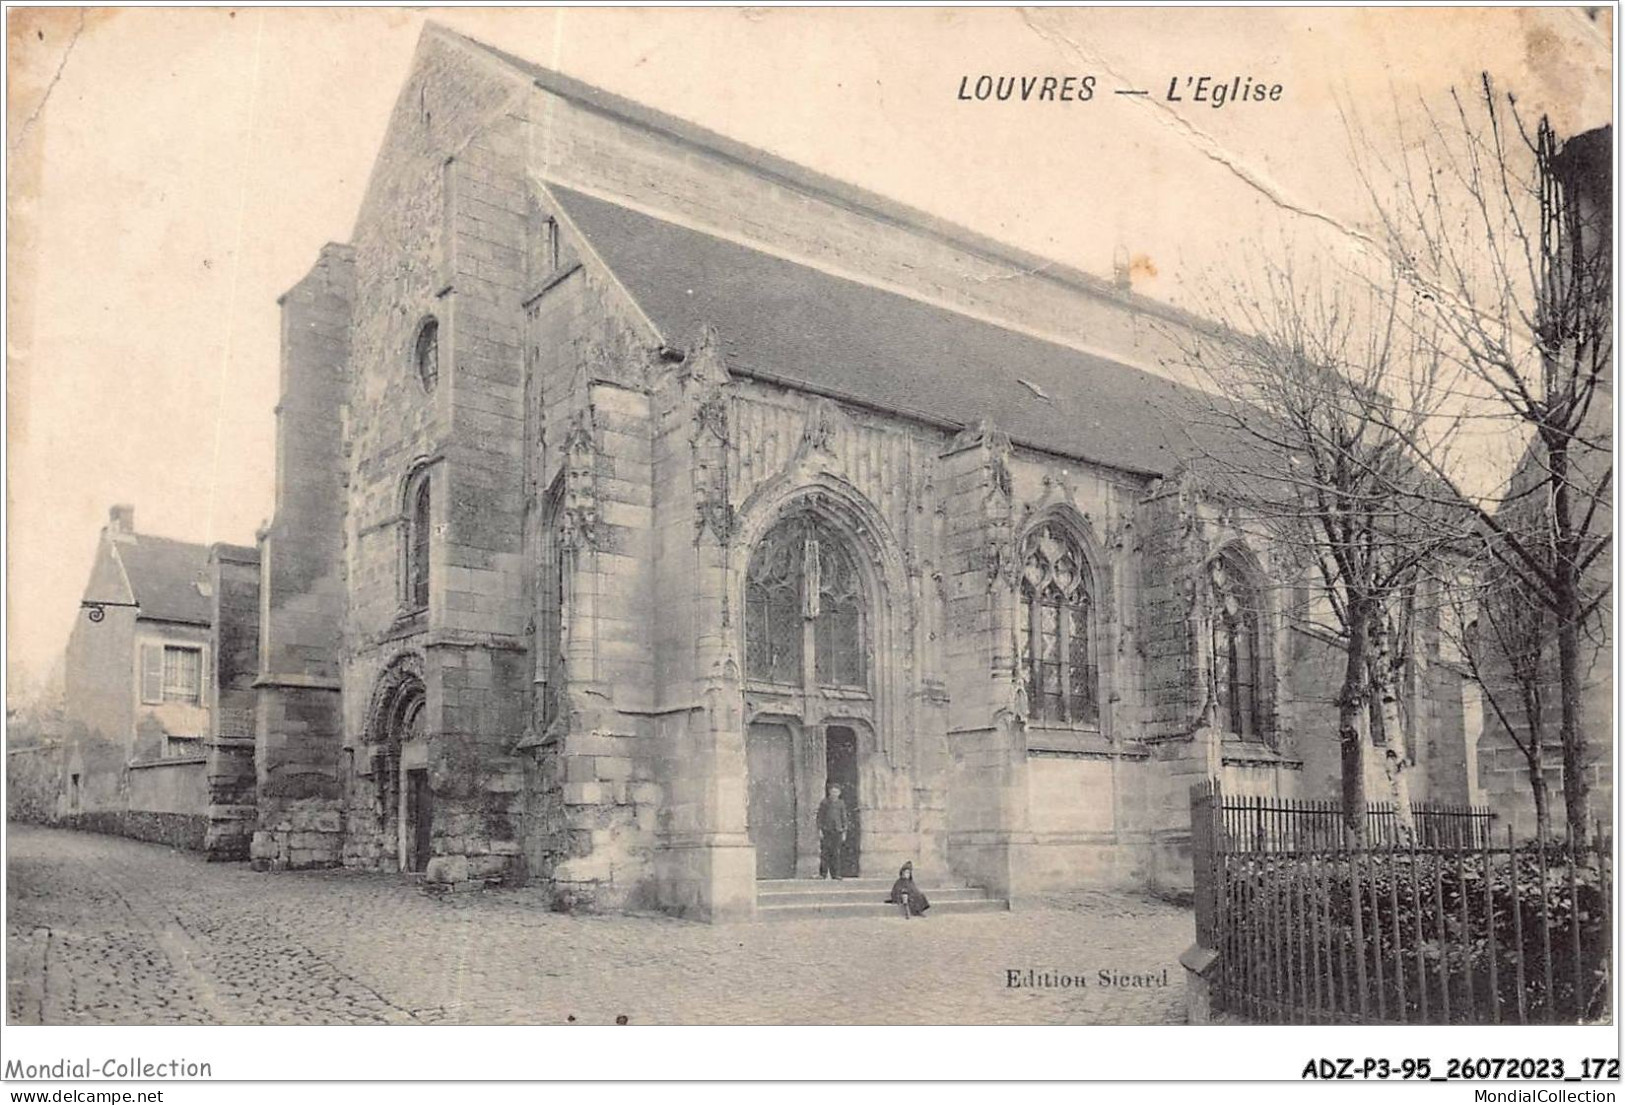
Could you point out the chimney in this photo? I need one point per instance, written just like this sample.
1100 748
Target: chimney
121 518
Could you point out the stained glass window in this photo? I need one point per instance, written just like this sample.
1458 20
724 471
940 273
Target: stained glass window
1056 630
803 591
1235 648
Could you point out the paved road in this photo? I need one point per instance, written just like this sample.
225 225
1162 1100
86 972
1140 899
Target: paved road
102 930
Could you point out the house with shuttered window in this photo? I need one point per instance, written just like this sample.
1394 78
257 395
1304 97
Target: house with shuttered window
143 685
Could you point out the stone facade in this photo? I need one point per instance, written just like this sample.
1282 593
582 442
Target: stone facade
512 622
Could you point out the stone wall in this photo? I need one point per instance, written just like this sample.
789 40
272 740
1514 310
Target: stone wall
1446 738
1316 674
302 585
603 758
33 777
234 575
1503 770
178 830
172 787
1089 820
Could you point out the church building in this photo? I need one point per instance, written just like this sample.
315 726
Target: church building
634 484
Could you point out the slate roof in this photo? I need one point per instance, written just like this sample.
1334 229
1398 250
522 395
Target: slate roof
164 574
786 322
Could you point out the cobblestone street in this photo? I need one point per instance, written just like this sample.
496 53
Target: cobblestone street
102 930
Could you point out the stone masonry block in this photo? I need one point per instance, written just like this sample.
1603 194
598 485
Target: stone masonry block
585 794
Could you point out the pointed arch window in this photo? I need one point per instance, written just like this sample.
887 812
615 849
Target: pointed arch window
1056 630
1236 649
804 601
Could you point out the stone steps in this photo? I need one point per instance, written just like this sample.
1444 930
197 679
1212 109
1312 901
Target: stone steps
840 895
804 899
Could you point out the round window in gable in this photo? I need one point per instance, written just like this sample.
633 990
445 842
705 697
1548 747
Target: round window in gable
426 353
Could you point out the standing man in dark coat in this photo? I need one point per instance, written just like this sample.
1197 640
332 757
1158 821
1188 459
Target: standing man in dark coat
833 824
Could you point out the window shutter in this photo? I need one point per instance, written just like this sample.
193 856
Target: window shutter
152 673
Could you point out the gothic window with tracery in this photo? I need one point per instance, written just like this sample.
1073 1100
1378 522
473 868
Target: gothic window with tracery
1056 630
804 595
1235 652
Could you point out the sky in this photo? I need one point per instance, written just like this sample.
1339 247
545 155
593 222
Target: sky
173 171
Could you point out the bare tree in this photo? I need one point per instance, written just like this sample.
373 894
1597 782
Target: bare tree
1503 636
1312 385
1503 236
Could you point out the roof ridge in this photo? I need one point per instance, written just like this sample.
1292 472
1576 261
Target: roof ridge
203 546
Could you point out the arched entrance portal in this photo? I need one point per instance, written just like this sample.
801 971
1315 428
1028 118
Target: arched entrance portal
402 796
808 662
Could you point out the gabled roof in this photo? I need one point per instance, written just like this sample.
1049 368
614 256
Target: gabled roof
801 178
782 321
164 574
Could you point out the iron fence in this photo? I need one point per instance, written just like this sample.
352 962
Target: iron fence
1263 824
1312 929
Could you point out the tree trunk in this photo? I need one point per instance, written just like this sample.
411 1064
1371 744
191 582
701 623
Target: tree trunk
1534 752
1394 753
1576 792
1351 705
1576 799
1543 811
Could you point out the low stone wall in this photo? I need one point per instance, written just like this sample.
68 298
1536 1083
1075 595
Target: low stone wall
178 830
